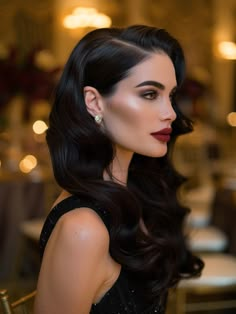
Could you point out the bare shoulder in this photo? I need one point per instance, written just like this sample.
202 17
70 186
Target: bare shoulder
82 226
75 262
78 230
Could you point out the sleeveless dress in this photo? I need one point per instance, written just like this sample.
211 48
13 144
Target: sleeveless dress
124 296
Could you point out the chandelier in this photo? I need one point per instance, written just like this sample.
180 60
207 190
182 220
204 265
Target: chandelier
82 17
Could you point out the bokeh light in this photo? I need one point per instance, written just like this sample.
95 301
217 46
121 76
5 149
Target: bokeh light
231 119
39 127
28 163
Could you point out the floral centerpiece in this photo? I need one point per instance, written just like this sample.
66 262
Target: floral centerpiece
32 76
27 81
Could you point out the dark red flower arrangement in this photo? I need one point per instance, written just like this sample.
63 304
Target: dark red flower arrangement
33 76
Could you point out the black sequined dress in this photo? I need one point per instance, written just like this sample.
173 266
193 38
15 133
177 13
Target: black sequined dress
124 296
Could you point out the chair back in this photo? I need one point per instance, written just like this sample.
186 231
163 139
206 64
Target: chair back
22 303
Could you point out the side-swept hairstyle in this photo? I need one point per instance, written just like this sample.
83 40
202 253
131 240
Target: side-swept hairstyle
81 151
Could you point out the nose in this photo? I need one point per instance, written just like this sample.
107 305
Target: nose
168 112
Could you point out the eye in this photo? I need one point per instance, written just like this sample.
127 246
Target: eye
150 95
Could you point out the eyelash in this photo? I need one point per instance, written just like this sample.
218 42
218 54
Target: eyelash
153 95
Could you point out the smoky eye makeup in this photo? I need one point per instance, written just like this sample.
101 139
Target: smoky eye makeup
150 94
150 90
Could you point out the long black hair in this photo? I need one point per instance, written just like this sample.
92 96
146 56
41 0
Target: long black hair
81 151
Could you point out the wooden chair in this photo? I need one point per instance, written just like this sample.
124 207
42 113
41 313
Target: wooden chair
22 304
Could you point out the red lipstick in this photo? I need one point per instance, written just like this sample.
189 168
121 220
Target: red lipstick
162 135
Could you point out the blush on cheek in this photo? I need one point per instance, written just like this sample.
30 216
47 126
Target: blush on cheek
127 112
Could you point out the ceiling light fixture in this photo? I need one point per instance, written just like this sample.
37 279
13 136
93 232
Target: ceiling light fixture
82 17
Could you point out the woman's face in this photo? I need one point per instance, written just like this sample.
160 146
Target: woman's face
141 107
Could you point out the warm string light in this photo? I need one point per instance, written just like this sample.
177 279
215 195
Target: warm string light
28 163
227 50
86 17
39 127
231 119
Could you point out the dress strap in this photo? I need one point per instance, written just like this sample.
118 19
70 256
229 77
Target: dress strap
64 207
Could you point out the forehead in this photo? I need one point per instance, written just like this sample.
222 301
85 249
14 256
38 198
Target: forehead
157 67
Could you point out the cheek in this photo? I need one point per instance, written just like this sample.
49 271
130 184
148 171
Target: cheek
124 114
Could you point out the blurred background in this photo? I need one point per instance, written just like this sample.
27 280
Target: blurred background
36 38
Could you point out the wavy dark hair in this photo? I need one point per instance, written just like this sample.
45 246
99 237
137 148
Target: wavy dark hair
81 151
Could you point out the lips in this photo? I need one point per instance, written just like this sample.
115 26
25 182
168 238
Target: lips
162 135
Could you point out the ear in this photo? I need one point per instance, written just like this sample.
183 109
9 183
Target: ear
93 101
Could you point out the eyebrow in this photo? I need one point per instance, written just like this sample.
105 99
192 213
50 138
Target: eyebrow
156 84
153 83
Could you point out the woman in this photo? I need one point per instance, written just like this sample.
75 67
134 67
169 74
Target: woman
113 241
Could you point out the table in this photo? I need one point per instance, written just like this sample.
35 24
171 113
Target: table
224 211
21 199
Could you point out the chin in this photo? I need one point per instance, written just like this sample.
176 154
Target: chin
156 154
159 155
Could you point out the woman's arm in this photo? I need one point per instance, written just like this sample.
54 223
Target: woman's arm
74 265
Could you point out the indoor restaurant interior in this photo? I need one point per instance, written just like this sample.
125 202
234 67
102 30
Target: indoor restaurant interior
36 38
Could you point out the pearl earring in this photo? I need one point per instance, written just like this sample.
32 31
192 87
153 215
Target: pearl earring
98 118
